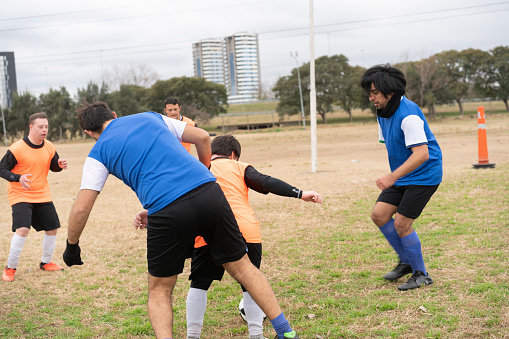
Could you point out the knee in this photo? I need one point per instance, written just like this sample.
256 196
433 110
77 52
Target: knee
22 231
161 285
379 219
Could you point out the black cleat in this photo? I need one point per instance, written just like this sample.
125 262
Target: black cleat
398 272
416 280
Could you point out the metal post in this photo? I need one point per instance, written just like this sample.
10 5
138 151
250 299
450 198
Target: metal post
3 121
300 90
312 93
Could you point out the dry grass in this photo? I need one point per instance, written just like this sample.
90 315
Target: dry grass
322 260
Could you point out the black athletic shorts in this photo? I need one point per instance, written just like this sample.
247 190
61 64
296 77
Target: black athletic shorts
410 199
204 270
41 216
171 232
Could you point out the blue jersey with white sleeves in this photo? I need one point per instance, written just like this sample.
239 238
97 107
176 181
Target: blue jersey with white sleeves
405 129
144 151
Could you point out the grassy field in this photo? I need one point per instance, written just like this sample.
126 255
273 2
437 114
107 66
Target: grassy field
325 262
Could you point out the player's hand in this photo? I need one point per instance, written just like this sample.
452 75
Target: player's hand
385 182
72 254
24 181
141 220
62 163
312 196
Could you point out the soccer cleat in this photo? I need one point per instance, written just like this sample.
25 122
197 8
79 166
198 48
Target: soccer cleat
8 274
399 271
416 280
50 267
288 335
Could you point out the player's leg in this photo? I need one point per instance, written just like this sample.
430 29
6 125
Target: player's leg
254 313
21 221
382 216
221 232
256 284
45 218
160 311
203 272
171 232
411 206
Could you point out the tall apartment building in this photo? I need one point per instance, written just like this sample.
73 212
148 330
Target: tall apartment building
8 85
232 61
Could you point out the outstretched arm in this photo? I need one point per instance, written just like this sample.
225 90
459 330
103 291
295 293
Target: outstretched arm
266 184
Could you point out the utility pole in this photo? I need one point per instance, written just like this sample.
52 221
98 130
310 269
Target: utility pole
300 90
312 93
3 120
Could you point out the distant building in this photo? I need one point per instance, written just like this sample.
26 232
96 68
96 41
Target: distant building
8 84
233 61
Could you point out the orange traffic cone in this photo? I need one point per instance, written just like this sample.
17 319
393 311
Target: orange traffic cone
482 141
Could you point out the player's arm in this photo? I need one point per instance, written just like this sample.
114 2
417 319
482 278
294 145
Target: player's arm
266 184
416 140
79 214
418 157
57 164
201 139
93 180
6 165
193 135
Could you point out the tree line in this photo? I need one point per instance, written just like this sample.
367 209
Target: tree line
447 77
444 78
200 100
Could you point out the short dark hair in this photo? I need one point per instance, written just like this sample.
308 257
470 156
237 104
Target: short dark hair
225 145
35 116
171 101
93 115
385 78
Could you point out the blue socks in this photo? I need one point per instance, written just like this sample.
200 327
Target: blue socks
281 325
389 231
412 246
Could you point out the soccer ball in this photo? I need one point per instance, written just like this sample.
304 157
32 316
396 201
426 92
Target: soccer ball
242 312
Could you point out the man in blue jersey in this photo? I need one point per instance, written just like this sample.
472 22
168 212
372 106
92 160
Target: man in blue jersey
181 199
415 160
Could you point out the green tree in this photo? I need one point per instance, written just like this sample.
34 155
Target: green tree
129 100
200 99
59 108
23 106
350 95
332 84
498 74
93 92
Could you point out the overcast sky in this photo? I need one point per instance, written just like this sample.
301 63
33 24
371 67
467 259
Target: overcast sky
68 43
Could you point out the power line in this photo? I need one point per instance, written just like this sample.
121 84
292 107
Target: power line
40 58
173 12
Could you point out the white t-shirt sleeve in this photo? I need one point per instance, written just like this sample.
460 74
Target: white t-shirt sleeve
380 134
94 175
413 128
175 126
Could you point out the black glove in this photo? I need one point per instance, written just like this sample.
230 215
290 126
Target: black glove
72 254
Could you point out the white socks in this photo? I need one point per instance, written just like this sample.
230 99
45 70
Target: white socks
195 311
254 315
48 247
17 244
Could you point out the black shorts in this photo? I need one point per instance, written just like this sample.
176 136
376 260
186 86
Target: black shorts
410 199
171 232
41 216
204 270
